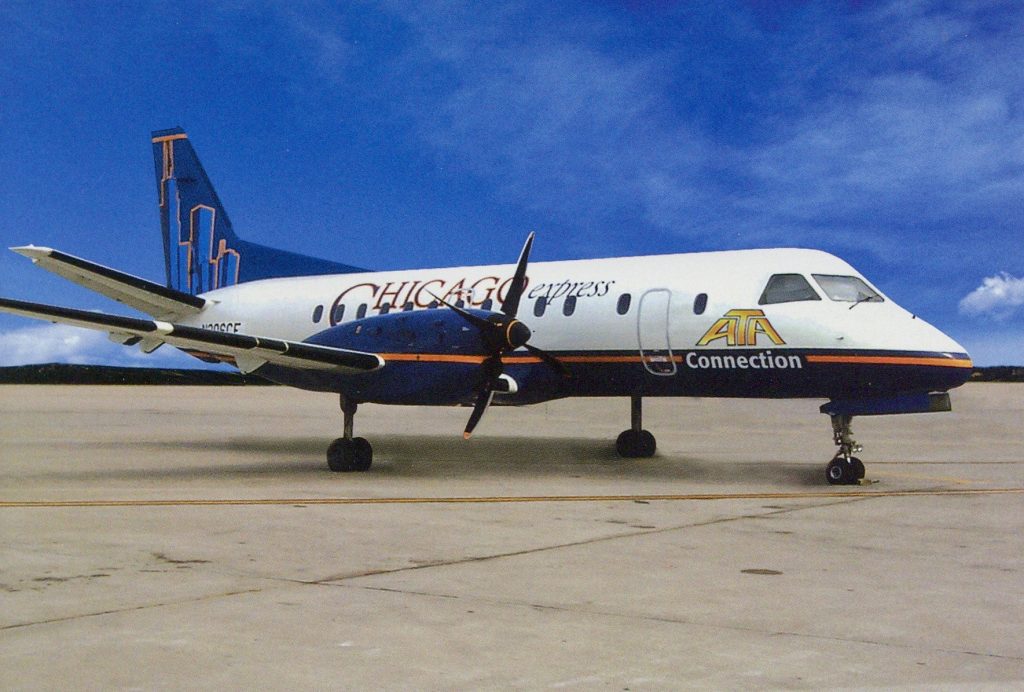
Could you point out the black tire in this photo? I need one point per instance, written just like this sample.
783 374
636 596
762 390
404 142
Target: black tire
646 445
624 444
842 472
632 445
339 456
362 454
858 468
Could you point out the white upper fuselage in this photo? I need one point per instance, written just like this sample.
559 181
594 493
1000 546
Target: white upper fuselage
732 280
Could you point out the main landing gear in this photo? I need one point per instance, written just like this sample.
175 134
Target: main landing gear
636 442
844 469
349 453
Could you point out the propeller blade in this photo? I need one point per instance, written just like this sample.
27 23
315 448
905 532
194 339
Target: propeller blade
557 365
468 316
510 306
491 370
483 400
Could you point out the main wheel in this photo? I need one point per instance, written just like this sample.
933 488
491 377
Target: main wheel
362 454
340 456
646 444
349 455
631 444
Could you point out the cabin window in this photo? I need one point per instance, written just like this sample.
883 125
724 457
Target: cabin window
700 303
385 308
460 303
318 313
540 306
787 288
361 311
407 307
339 314
433 305
847 289
569 306
623 305
487 305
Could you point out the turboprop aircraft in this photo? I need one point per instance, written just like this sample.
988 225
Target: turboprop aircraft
774 323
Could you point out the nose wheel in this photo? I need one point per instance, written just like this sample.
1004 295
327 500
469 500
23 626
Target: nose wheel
349 453
844 469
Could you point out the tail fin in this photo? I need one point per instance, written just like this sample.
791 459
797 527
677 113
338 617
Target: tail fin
201 250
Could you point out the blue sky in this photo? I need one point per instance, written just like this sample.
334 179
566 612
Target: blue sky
414 134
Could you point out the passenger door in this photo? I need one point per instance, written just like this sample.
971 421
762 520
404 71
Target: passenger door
653 332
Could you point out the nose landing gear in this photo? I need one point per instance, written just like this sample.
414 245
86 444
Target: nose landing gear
349 453
844 469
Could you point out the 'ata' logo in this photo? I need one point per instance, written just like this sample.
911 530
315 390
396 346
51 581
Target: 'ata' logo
741 328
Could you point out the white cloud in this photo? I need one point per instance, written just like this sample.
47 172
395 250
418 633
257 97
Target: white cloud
998 295
48 344
59 343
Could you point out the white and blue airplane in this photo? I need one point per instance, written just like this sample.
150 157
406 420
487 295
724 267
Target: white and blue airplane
773 323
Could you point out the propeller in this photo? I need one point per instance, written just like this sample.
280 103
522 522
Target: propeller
502 333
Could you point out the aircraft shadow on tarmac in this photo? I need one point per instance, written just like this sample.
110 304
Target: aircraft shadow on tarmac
431 457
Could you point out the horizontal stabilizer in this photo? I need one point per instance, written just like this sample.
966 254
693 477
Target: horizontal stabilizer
151 298
249 352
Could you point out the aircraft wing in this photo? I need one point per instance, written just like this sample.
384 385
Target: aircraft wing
151 298
249 352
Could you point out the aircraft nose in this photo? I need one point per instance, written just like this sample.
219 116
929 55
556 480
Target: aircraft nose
948 350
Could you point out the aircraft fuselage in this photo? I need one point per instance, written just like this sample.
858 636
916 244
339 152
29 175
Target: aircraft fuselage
666 325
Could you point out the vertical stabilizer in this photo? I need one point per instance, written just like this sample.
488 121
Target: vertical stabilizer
201 250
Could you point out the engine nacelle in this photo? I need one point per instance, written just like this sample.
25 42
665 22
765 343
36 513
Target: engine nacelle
433 356
436 332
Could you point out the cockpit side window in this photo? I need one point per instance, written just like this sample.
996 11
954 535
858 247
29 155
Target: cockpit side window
787 288
847 289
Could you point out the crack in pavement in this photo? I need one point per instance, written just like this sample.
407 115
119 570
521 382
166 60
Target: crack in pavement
333 579
680 621
343 581
129 609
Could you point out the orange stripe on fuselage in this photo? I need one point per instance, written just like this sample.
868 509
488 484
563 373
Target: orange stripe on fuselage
850 360
893 360
431 358
519 360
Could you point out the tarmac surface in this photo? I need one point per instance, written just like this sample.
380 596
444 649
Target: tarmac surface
173 537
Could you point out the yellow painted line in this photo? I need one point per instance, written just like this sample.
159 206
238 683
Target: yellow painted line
814 495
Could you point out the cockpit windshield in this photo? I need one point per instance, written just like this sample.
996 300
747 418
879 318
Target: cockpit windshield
847 289
787 288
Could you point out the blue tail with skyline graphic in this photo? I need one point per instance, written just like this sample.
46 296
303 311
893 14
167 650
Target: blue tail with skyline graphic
201 250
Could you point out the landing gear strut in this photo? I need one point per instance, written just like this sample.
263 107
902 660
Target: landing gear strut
636 442
844 469
349 453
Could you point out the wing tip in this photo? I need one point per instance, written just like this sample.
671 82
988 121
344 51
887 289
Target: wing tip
33 252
